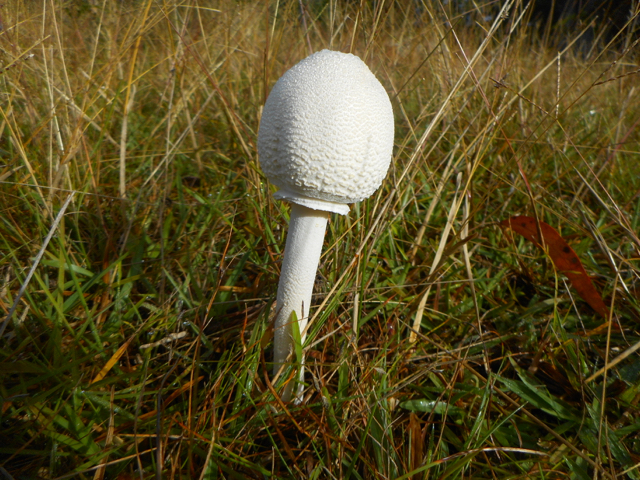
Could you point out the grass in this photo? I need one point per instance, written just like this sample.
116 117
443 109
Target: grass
141 248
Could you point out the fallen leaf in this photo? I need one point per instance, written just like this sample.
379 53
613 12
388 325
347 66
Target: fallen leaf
563 257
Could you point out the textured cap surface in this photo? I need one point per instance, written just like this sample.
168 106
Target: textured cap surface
326 134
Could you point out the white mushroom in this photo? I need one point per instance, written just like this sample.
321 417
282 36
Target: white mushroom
325 140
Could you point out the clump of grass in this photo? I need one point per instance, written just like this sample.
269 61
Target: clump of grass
140 343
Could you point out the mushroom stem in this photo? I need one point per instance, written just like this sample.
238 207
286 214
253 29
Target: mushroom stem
301 256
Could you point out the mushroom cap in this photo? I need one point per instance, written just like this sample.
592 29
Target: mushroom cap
326 134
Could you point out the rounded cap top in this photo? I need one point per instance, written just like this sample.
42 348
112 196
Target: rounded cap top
326 134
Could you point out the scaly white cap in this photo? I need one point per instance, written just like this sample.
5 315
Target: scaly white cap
326 134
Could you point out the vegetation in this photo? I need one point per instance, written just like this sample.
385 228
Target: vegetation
141 248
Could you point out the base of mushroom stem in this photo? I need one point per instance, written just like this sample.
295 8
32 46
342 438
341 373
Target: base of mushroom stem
288 390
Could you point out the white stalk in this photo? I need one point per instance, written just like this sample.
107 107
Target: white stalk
301 257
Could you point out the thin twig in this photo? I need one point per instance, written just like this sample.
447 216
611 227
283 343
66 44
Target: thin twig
36 262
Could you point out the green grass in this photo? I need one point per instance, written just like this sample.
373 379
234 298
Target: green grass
140 346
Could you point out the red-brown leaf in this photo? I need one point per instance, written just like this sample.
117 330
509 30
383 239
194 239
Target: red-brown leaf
563 257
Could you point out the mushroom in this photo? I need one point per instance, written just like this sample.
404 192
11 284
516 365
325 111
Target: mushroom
325 140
